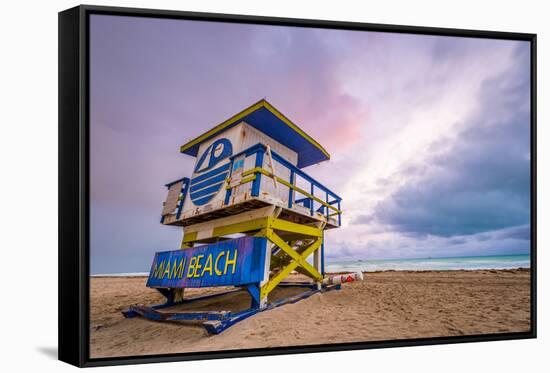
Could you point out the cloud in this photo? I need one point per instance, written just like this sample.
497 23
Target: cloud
157 83
522 232
479 180
508 241
298 70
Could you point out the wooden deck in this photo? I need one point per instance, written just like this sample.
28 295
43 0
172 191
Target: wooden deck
296 214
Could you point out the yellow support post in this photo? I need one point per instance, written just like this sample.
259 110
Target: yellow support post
297 260
300 259
268 227
188 239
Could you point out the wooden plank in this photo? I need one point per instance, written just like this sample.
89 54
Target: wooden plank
246 226
229 220
172 198
231 262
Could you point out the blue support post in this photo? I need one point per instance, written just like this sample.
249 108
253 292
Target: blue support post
254 291
328 210
339 215
256 183
216 322
311 206
290 190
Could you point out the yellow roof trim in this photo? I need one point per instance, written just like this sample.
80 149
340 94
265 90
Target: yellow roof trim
221 126
244 113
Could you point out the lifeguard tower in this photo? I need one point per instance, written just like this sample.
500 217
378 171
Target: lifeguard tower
250 216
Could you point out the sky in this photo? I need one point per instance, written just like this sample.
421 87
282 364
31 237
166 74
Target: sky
429 136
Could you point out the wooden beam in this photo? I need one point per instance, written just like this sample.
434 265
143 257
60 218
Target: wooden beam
285 225
297 260
246 226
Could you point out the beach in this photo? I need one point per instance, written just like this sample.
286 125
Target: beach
387 305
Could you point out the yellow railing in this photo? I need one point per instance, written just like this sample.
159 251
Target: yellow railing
251 176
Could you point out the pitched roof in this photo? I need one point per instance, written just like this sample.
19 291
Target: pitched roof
267 119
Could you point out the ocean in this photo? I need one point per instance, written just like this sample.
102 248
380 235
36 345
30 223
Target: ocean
424 264
421 264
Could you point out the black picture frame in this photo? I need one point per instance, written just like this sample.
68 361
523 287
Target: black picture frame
74 188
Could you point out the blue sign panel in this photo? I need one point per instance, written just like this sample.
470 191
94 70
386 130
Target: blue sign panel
209 180
234 262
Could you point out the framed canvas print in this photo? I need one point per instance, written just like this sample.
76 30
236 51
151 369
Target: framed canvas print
234 186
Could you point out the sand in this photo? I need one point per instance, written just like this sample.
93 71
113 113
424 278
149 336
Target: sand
386 306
